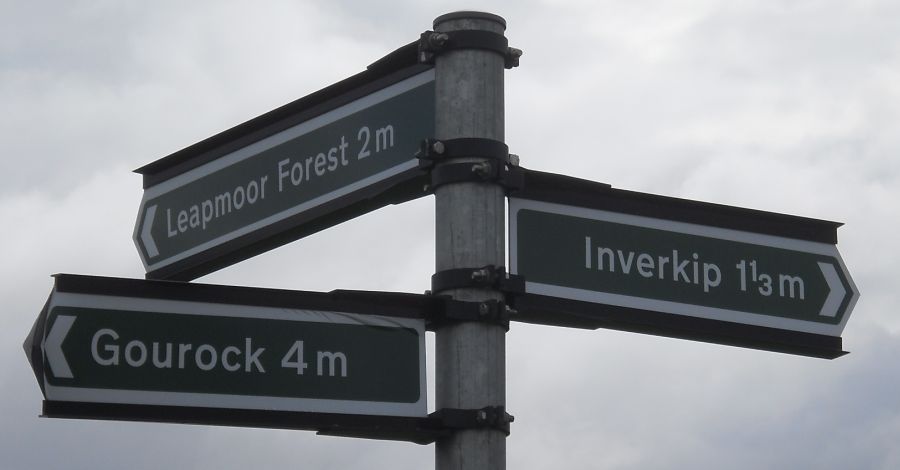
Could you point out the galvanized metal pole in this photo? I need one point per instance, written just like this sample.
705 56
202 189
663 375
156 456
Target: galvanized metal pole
470 357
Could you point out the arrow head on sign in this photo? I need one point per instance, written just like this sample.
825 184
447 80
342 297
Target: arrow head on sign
146 236
836 291
33 343
53 347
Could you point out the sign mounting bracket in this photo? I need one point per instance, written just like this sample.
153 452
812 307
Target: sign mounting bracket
488 311
490 417
432 44
485 277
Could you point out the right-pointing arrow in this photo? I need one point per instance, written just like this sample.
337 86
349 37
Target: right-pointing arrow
836 290
146 236
53 347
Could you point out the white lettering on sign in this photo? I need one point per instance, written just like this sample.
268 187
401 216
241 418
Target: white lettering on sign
691 270
106 350
788 286
290 172
202 214
683 269
302 169
331 358
294 171
110 360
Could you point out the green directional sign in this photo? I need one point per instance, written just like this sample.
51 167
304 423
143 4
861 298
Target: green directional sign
673 267
153 351
261 188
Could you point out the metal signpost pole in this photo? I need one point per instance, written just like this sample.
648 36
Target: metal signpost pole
470 359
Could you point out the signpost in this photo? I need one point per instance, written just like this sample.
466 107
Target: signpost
598 253
353 363
131 342
301 168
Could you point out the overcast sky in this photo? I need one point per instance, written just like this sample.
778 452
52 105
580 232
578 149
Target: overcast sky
785 106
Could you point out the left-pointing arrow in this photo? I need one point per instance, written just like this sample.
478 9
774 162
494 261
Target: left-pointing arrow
146 236
53 347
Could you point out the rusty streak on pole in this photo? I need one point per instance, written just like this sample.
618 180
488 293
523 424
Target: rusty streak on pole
471 356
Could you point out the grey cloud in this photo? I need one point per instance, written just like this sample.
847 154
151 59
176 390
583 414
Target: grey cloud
789 107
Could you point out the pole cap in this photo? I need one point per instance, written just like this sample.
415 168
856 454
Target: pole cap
470 15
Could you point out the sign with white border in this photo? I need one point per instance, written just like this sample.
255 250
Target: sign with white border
147 350
666 266
253 194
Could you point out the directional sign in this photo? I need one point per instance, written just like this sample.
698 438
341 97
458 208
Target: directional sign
670 266
316 162
174 345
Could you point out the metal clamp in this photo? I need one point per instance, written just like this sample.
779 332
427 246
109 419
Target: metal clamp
454 311
432 151
499 167
486 277
432 44
510 177
489 417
